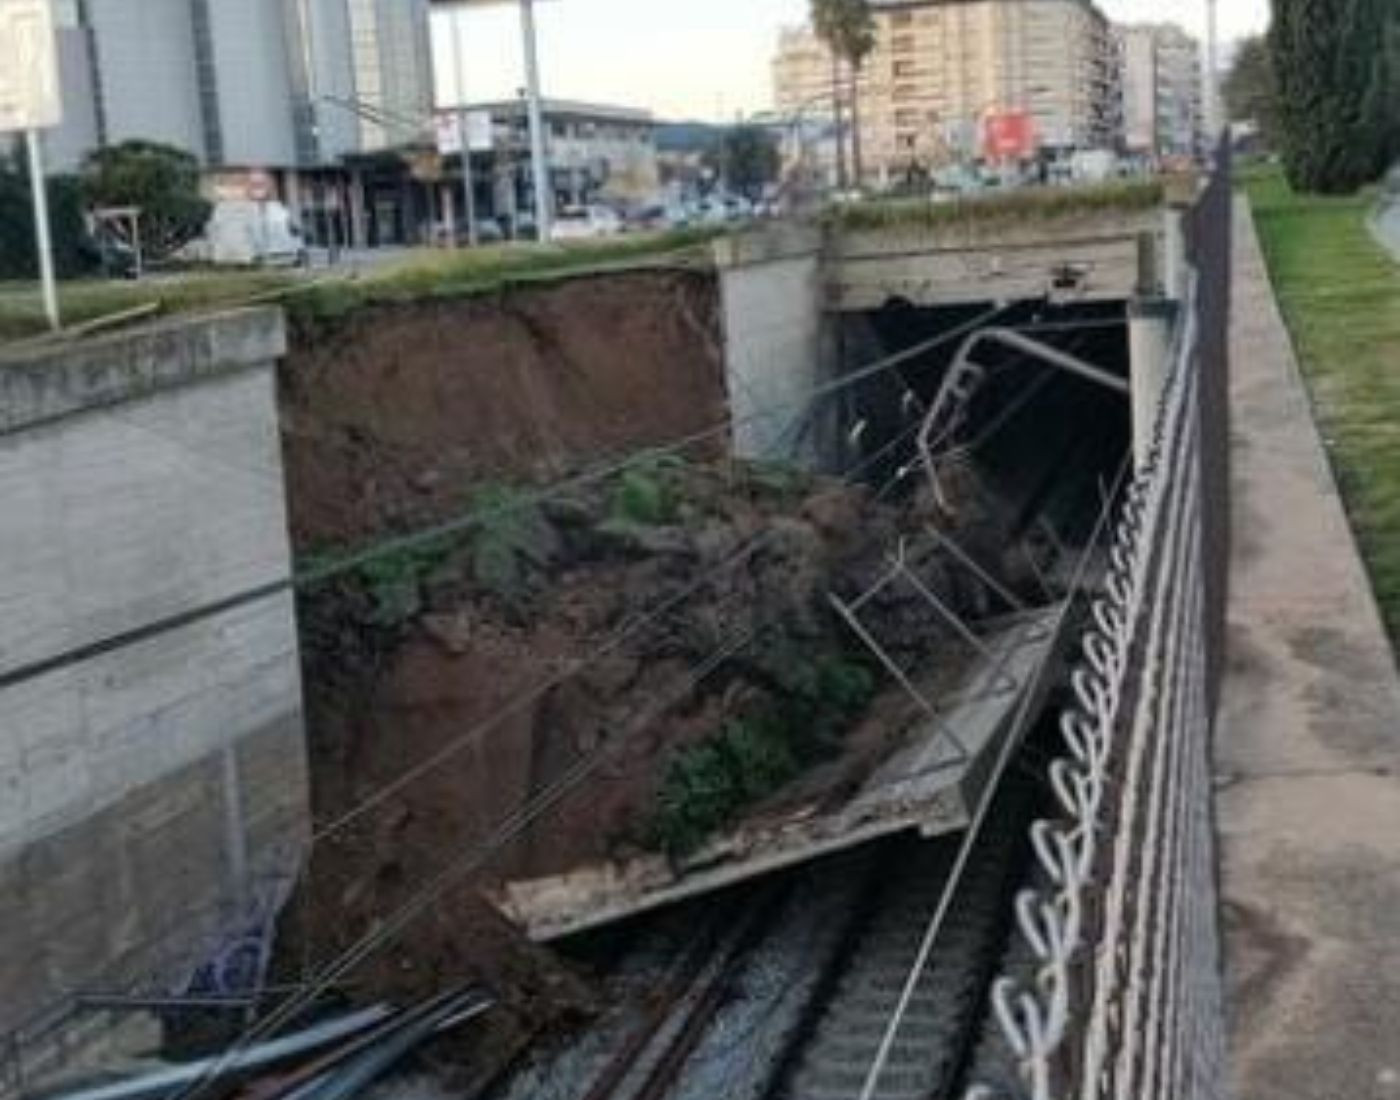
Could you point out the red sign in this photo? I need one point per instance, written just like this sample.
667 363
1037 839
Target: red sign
1009 135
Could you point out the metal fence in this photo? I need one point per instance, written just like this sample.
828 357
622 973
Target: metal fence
1124 996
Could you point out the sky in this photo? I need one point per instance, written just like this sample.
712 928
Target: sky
707 59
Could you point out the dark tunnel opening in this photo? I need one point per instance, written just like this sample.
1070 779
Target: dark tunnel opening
1047 444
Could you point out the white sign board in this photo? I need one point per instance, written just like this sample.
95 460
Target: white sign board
29 87
446 133
480 136
476 125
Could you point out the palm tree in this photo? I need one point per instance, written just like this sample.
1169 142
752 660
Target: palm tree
847 27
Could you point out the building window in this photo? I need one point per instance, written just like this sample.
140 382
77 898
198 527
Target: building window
903 43
904 69
906 119
902 19
904 92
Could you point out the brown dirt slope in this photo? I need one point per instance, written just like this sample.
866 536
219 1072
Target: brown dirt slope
392 416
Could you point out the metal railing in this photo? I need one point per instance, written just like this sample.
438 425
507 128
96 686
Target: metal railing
1124 998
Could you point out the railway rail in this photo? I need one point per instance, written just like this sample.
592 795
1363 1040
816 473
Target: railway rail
783 990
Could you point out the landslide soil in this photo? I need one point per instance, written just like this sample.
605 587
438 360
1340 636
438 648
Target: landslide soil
486 666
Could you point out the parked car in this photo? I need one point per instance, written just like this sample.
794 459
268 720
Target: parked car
488 231
576 223
660 216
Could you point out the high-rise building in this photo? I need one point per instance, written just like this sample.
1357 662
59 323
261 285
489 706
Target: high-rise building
941 68
1160 66
276 84
293 90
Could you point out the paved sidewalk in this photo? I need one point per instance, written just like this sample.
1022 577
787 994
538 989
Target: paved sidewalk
1308 751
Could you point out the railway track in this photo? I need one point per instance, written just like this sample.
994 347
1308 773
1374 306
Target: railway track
783 991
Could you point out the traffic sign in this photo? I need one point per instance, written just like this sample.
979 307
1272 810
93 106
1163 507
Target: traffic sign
29 84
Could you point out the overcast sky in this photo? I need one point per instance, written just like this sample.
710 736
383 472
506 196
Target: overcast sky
705 59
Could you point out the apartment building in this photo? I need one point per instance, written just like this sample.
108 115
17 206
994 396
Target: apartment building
941 68
1161 72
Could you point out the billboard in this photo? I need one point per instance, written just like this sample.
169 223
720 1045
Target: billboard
29 88
1009 135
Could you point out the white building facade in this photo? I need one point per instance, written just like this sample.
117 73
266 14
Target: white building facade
1161 74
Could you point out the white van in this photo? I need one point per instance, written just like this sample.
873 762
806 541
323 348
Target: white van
245 232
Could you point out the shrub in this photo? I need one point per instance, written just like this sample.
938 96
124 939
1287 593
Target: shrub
646 492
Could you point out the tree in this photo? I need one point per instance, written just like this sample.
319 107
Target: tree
1250 92
847 27
1384 102
72 252
160 179
1333 83
747 159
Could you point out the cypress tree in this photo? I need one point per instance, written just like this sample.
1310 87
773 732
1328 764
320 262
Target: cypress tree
1329 58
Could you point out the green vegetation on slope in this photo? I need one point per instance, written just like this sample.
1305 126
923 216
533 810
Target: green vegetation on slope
1340 293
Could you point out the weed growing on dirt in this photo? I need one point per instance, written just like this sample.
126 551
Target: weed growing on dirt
707 785
647 492
510 537
394 580
781 480
507 536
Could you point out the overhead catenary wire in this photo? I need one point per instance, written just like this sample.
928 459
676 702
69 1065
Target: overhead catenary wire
535 499
604 649
747 549
510 828
983 808
343 565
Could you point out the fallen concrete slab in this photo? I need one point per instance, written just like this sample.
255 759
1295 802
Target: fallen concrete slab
924 784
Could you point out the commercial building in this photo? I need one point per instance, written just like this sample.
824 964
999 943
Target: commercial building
291 90
941 69
1162 96
595 152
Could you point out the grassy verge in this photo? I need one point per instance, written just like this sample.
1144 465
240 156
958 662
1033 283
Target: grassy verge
1028 205
1340 293
421 274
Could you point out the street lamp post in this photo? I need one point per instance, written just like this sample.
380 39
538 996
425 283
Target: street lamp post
1214 119
544 213
38 186
468 183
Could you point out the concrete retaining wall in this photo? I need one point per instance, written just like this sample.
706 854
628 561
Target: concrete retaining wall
776 342
153 789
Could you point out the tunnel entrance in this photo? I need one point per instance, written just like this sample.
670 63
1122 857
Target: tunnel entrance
1043 445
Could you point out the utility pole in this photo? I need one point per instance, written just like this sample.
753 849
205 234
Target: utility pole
544 213
460 80
42 239
1215 122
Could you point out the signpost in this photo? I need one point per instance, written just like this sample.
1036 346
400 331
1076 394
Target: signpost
29 102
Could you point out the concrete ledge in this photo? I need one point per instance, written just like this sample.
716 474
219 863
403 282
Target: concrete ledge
779 241
973 234
39 383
